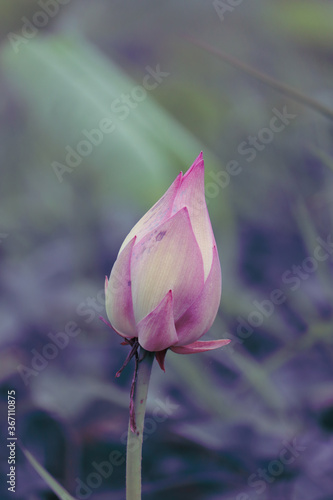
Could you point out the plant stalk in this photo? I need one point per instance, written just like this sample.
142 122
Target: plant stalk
134 439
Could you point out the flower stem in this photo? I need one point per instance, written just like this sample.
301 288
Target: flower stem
134 439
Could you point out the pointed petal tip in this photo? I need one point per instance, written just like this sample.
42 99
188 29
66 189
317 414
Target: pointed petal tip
185 212
132 241
177 182
198 164
179 177
200 346
160 357
127 243
199 161
199 158
156 331
107 323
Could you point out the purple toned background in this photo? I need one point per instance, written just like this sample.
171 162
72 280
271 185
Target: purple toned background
101 105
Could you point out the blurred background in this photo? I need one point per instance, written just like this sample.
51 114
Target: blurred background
101 105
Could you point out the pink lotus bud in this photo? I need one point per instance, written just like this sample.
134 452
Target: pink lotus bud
165 286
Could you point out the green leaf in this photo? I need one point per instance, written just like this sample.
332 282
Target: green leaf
52 483
68 87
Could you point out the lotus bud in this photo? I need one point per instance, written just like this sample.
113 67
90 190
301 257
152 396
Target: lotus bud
165 286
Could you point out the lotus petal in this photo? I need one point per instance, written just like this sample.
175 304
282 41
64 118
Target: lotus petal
168 258
191 194
156 331
118 295
200 346
200 316
158 214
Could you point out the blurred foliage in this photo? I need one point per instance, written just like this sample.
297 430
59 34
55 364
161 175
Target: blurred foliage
227 413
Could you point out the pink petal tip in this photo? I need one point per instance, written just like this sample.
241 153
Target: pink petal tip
200 346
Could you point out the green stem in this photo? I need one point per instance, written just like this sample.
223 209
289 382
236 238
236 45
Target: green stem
134 439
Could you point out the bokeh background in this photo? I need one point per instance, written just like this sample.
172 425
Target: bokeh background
253 420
